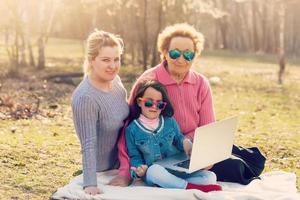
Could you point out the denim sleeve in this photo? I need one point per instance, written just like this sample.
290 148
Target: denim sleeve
178 138
136 158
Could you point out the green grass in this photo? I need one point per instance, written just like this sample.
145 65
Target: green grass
36 158
44 153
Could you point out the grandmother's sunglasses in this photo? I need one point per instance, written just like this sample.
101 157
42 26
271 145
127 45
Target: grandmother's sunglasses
187 55
149 103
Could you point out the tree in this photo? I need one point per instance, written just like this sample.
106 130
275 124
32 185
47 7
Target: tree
281 44
47 10
13 32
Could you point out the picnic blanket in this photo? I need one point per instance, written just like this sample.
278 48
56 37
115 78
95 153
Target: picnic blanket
276 185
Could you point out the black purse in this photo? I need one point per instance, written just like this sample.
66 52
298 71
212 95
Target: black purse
245 165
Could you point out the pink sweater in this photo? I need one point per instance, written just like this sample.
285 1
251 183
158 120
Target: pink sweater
191 100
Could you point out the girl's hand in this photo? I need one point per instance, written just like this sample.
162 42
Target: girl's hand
92 190
141 170
187 146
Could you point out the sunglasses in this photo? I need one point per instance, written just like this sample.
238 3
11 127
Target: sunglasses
149 103
187 55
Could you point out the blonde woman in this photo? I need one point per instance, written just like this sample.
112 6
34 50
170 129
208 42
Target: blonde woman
99 107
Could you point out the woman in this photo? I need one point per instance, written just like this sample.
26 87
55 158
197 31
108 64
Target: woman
99 108
189 91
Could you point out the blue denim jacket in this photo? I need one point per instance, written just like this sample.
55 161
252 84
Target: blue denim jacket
146 146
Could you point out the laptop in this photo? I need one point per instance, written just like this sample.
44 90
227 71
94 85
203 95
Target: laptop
212 144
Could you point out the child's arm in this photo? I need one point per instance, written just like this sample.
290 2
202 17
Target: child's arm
136 158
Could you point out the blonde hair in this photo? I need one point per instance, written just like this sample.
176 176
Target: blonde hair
95 42
179 30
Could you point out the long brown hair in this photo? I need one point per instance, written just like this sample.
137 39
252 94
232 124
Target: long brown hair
142 87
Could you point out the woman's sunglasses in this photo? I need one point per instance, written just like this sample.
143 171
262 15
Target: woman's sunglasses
149 103
187 55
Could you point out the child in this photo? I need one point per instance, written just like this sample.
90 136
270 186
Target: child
154 134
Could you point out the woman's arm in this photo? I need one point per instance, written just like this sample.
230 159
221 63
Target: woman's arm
85 117
123 154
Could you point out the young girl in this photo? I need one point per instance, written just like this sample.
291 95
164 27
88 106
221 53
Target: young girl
154 134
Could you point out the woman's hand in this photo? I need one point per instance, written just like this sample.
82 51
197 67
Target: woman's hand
187 146
141 170
119 180
92 190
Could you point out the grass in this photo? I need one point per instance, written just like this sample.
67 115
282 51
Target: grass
39 155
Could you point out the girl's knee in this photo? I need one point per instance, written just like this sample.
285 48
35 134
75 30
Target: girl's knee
153 173
154 169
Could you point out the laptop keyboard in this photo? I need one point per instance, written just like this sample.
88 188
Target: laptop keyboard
184 164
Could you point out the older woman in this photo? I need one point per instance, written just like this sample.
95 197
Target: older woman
99 108
189 91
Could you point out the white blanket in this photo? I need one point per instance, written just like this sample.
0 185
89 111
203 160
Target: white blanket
275 185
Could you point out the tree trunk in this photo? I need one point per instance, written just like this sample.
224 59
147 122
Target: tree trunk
223 24
132 52
145 46
254 26
30 54
281 44
273 35
23 62
295 33
243 22
145 38
238 28
154 49
264 27
15 57
44 32
41 53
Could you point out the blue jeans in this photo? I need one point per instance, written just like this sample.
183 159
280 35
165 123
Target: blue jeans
158 175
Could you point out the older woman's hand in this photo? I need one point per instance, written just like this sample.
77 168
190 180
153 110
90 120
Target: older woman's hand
119 180
187 146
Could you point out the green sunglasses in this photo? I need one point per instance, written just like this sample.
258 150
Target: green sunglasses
187 55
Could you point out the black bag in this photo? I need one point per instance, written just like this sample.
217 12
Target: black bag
245 165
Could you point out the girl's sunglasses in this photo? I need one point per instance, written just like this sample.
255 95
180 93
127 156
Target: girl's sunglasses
187 55
149 103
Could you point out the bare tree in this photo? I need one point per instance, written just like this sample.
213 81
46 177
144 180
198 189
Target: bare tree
254 26
47 10
161 5
144 35
13 33
281 44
